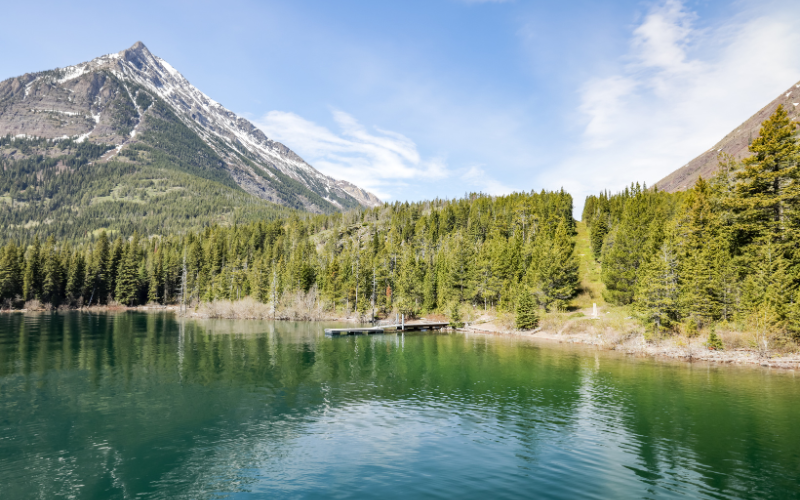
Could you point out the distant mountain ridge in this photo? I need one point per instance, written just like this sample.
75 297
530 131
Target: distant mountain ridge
734 144
117 99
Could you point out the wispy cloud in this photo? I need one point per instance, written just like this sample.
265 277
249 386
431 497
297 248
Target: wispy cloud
376 160
679 91
479 180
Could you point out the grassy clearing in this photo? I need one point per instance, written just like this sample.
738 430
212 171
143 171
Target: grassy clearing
591 288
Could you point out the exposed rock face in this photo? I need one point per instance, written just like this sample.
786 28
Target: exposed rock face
364 197
734 144
107 100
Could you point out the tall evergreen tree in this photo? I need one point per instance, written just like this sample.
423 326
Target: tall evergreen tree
768 191
52 274
657 292
127 283
624 252
76 276
554 268
526 317
32 281
598 233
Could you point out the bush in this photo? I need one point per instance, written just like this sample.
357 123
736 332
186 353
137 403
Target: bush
33 305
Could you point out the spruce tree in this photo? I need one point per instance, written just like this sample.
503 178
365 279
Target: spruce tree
455 315
714 342
657 292
32 280
51 279
767 192
10 272
624 253
152 290
769 285
694 230
97 271
127 276
76 276
526 317
598 232
554 268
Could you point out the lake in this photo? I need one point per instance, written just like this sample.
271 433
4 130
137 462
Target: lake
150 406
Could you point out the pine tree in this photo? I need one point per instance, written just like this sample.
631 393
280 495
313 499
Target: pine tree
768 191
10 272
51 279
769 286
714 342
97 270
113 265
32 281
657 293
527 317
598 232
76 276
128 275
554 268
624 251
152 287
455 315
694 231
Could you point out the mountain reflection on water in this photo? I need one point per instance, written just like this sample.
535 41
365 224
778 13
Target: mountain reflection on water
135 404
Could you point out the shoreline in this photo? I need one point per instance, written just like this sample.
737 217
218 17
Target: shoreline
689 351
693 351
190 313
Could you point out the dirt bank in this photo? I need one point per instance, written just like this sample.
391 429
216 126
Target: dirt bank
674 348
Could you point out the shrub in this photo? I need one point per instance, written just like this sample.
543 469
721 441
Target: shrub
33 305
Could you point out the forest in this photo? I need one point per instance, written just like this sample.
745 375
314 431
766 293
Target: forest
724 252
511 252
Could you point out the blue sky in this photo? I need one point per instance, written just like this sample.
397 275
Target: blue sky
416 100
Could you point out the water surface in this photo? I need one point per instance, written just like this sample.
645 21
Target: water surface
147 406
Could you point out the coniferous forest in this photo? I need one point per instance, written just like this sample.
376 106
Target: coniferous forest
411 258
724 251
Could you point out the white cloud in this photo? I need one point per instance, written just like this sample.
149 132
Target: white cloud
376 160
662 39
479 180
679 91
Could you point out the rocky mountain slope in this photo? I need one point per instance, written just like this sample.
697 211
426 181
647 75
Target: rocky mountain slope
734 144
140 106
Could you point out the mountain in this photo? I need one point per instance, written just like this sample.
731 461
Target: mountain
734 144
145 112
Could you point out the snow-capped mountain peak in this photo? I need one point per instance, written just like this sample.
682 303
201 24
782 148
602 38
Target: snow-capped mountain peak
98 88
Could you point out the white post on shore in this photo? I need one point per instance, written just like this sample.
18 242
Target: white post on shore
594 310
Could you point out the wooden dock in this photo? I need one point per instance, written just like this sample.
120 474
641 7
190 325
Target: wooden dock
371 330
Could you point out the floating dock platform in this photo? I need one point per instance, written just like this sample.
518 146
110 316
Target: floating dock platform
371 330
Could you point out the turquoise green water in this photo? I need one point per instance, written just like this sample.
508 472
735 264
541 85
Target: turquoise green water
145 406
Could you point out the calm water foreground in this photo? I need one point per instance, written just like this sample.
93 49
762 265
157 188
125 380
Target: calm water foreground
145 405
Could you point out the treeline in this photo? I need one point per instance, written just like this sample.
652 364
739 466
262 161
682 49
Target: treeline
724 251
412 258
